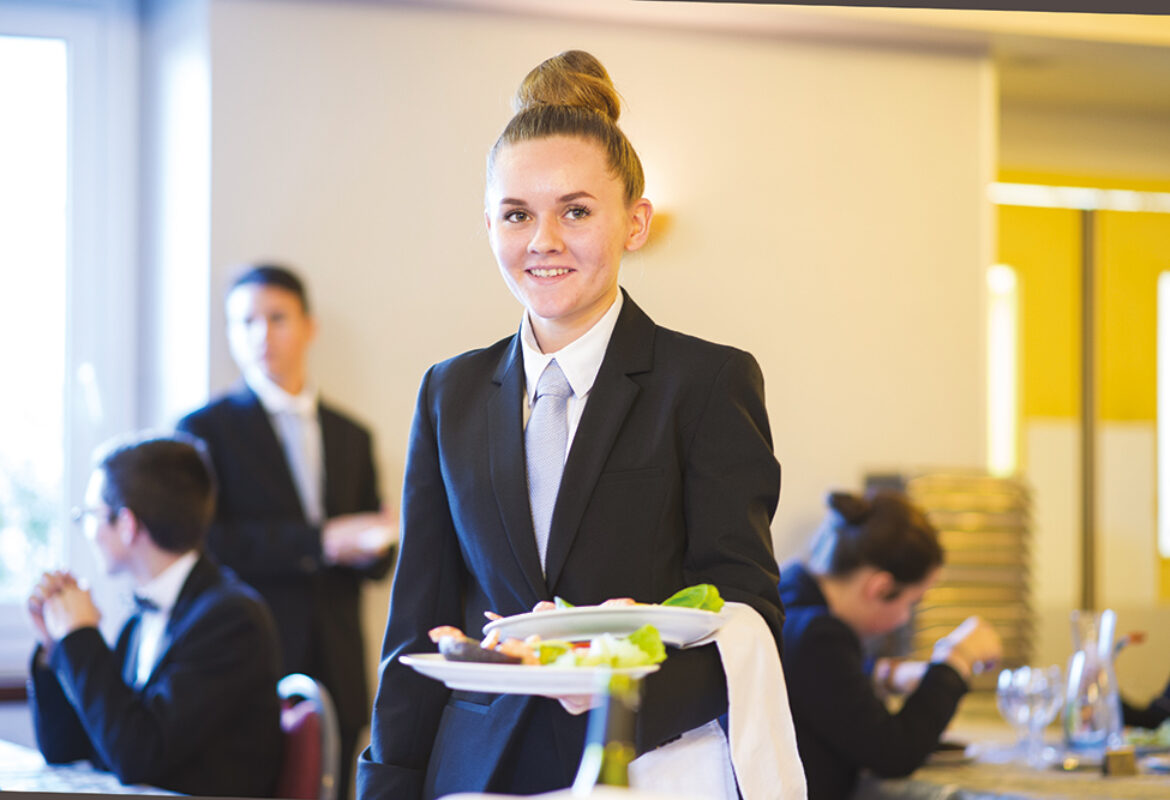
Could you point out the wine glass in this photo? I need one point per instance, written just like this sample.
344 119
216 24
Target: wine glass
1043 694
1028 698
1009 699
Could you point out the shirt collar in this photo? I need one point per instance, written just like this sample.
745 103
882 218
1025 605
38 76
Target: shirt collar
580 360
163 589
276 400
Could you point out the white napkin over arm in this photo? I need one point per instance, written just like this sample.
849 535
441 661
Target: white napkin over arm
763 757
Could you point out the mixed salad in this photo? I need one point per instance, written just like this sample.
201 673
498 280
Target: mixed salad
1144 737
643 647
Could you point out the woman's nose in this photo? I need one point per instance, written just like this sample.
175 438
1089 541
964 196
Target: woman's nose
546 238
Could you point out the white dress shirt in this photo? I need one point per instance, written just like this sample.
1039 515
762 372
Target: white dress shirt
580 360
294 418
162 590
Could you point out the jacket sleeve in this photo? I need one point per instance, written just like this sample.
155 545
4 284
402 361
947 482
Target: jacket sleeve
1153 715
209 671
408 706
59 733
832 696
731 487
370 499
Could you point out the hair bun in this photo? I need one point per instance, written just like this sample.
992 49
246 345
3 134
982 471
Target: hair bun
849 507
573 78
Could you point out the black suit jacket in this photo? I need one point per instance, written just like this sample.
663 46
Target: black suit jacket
841 725
1153 715
260 531
206 722
670 481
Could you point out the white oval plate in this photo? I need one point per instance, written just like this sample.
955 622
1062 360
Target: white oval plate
676 626
548 681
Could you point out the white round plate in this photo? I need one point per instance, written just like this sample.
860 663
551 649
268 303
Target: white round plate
549 681
676 626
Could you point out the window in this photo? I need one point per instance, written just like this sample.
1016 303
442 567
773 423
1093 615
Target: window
67 290
32 307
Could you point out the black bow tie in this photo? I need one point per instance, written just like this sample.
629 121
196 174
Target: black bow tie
144 604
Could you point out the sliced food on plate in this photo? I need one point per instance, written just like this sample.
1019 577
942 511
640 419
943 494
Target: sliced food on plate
561 650
640 648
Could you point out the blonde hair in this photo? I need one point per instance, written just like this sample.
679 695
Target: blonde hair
571 94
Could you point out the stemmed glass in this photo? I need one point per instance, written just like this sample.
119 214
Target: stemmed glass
1028 698
1009 701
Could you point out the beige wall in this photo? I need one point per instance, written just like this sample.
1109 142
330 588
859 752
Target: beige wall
1083 142
827 205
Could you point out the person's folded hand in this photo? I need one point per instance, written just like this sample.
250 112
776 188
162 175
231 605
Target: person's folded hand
69 609
357 540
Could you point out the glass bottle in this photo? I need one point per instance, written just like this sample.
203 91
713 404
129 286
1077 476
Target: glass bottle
1092 709
609 739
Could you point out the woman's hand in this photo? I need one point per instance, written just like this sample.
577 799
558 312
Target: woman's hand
970 649
895 676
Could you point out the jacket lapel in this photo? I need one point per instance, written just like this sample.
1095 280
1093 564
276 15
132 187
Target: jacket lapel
263 442
630 351
506 461
130 662
202 575
329 422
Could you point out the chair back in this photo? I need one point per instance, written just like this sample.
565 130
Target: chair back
312 744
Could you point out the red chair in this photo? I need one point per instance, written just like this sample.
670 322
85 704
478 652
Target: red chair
312 745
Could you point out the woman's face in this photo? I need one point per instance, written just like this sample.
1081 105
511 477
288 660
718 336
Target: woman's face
885 614
559 224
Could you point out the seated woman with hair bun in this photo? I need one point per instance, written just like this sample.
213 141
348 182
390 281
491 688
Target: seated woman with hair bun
871 561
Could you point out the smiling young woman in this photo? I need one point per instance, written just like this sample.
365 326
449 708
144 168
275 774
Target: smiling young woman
591 455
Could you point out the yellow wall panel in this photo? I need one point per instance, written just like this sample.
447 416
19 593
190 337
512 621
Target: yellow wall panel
1043 246
1132 250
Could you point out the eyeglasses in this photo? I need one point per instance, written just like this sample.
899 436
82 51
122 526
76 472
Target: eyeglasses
79 513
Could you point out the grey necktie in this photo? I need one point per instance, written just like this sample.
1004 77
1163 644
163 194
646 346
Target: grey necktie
545 441
294 434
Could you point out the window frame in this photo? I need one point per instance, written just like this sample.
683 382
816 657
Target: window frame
101 277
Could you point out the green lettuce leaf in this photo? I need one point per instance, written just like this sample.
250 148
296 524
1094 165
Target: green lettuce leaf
649 642
702 596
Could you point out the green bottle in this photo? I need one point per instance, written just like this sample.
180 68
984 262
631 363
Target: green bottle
609 740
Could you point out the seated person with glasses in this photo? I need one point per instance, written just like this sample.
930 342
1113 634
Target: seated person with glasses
186 700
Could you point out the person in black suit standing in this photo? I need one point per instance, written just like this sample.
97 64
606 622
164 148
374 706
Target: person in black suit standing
660 472
187 699
299 515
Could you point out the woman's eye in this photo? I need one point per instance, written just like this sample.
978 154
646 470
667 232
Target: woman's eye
516 216
577 212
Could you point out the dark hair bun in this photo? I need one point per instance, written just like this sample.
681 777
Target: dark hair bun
849 507
573 78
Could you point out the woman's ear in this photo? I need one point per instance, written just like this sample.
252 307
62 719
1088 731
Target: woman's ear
880 586
641 212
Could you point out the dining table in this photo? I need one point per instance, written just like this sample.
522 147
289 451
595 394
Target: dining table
992 766
23 769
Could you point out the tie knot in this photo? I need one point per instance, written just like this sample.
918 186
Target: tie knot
553 382
300 407
144 604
